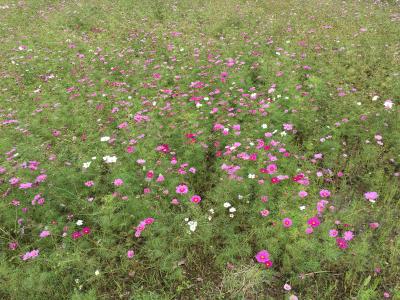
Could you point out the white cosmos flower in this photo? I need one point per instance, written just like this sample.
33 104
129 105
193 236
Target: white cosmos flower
227 204
110 159
104 138
79 222
232 210
86 164
264 126
388 104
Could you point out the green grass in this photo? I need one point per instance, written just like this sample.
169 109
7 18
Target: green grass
82 68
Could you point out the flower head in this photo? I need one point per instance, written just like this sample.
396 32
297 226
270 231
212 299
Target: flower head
262 256
287 222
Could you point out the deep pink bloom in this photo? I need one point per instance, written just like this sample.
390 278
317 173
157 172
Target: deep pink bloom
271 169
130 254
287 222
314 222
262 256
195 199
85 230
148 221
76 235
182 189
342 243
268 264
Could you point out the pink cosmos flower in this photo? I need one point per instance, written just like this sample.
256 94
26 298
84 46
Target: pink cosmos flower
148 221
175 202
287 222
373 225
44 234
314 222
325 193
118 182
41 178
271 169
85 230
342 243
13 245
89 183
309 230
287 287
182 189
262 256
264 212
14 180
130 254
371 196
348 235
268 264
26 185
30 255
303 194
333 233
195 199
76 235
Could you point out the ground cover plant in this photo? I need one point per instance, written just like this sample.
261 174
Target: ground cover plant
199 149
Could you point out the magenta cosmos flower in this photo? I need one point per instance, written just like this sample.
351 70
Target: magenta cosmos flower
287 222
324 193
182 189
314 222
130 254
342 243
118 182
195 199
262 256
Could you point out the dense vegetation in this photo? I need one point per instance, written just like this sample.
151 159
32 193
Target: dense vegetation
222 149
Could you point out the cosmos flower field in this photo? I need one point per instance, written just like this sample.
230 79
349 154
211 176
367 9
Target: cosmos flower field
199 149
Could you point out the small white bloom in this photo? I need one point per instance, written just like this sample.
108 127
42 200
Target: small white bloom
303 207
97 273
374 98
209 218
283 133
104 138
211 211
227 204
79 222
251 176
264 126
240 197
186 219
231 215
94 157
388 104
86 164
110 159
232 210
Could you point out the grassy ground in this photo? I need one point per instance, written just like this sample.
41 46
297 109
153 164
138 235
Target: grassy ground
110 110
